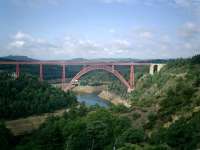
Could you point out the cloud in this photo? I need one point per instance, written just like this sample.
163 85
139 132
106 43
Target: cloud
141 43
17 44
22 36
121 44
19 35
187 3
183 3
189 37
189 30
23 41
146 35
191 5
112 31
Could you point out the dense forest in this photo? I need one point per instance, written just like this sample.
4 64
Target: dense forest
27 96
165 115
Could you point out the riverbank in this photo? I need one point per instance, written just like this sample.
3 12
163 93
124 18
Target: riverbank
113 98
102 93
88 89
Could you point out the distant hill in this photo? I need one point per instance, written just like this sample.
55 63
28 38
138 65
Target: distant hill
78 59
124 60
156 60
16 58
114 59
26 58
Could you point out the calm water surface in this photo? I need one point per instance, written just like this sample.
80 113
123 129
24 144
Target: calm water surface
92 99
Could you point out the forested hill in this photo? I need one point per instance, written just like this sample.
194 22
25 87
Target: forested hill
172 97
178 80
16 58
27 96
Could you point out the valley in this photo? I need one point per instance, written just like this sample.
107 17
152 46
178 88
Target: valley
163 111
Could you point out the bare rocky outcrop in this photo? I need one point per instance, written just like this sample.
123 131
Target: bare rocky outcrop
88 89
113 98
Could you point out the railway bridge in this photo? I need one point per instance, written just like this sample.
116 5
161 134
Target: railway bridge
88 66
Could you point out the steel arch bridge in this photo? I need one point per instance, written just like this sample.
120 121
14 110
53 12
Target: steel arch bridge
87 67
109 69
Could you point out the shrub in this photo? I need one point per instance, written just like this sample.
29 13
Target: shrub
152 117
6 138
136 116
133 136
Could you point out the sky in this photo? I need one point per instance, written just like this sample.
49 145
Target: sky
66 29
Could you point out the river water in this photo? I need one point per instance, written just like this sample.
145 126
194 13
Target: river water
92 99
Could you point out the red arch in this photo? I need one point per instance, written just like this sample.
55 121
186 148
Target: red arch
106 68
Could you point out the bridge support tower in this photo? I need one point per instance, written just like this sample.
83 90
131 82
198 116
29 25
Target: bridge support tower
63 75
155 68
132 79
17 70
41 72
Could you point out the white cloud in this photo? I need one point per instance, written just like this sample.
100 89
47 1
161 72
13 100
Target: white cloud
187 3
189 37
146 35
112 31
142 43
192 5
24 41
189 30
183 3
17 44
20 35
120 44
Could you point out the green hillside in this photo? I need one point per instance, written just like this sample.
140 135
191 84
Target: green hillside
27 96
177 86
171 98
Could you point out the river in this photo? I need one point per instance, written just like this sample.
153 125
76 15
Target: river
92 99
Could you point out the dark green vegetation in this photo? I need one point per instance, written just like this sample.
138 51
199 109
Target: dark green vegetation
27 96
6 138
174 96
87 128
165 115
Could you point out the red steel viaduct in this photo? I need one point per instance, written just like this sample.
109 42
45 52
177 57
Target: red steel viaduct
87 67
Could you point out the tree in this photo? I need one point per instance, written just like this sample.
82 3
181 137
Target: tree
132 136
6 138
26 96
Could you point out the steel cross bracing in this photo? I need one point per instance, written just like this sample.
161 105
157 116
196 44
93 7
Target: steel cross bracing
87 67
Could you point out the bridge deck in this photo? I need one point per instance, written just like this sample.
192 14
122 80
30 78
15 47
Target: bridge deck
72 63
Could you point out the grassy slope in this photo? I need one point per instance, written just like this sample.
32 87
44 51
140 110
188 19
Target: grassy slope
27 125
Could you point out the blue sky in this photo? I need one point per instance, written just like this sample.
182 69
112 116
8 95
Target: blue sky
65 29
